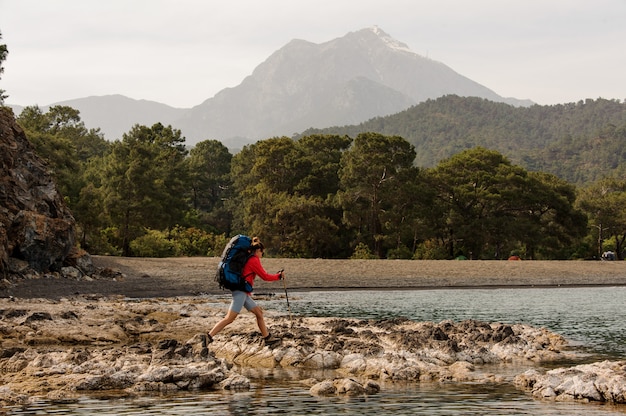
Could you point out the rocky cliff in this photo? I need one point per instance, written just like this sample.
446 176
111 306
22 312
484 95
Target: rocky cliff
37 230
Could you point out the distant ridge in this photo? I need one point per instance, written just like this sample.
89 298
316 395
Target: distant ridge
579 142
116 114
347 80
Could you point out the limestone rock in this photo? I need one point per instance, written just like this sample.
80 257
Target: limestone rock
601 382
235 382
323 388
395 350
345 387
88 343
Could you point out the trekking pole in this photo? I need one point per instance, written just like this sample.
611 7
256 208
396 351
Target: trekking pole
287 297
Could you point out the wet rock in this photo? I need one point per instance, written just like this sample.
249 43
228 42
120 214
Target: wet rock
344 386
69 315
398 349
323 388
601 382
90 343
236 382
62 397
322 360
11 398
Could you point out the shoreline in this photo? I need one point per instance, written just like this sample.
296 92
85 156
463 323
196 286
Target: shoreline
149 327
194 276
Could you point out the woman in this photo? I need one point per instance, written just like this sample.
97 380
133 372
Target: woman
242 299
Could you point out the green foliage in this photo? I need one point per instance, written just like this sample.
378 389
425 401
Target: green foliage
143 182
579 142
285 190
318 162
60 137
209 178
362 252
368 179
430 250
193 242
180 241
153 244
491 206
402 252
605 201
105 242
331 196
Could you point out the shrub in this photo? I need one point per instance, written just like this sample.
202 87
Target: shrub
402 252
192 241
153 244
430 250
362 252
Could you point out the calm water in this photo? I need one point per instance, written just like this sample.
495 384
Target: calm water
592 318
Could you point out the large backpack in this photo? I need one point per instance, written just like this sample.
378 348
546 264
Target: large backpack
234 257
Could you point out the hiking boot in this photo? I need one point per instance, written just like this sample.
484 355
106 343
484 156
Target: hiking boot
272 341
205 340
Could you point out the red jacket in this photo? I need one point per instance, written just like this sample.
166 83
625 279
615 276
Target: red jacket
253 268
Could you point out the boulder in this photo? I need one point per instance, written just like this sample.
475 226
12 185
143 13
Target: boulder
36 226
344 387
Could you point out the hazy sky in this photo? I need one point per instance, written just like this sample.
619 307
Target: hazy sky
182 52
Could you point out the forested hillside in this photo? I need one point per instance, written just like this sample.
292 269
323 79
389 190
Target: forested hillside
579 142
361 196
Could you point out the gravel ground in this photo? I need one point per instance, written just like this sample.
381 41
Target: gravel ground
190 276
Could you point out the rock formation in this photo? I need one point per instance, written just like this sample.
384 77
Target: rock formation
600 382
37 230
62 349
395 350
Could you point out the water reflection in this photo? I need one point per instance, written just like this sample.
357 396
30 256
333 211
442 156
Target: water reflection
427 399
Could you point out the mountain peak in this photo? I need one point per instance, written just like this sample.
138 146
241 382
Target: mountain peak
387 39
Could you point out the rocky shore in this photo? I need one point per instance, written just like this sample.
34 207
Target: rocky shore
60 349
138 328
600 382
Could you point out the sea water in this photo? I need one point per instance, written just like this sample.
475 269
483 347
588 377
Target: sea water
591 318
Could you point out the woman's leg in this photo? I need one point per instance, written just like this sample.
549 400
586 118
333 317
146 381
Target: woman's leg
251 305
258 312
228 319
239 298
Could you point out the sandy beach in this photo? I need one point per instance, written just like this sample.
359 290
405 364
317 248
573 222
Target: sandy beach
185 276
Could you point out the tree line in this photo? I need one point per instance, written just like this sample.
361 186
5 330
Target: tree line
320 195
557 139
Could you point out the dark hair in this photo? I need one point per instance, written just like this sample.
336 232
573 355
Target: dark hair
257 244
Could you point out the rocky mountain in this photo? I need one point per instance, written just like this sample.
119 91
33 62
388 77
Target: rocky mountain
344 81
347 80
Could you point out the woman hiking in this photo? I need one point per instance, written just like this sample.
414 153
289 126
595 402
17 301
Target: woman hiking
243 299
